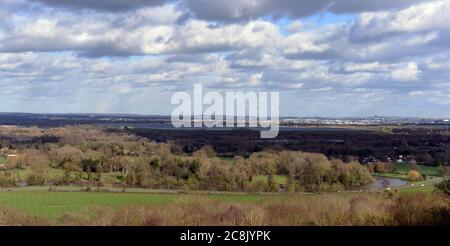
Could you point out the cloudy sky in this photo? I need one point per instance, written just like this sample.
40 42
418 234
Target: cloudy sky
325 57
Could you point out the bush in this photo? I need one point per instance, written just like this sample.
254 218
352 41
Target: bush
383 167
420 209
414 176
7 179
38 174
443 187
444 170
257 186
35 180
13 217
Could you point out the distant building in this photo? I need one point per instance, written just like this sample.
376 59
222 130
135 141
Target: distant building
369 160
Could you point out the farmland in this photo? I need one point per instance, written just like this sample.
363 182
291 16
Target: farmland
52 204
39 201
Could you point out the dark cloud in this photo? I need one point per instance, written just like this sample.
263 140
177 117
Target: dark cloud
357 6
331 54
238 10
102 5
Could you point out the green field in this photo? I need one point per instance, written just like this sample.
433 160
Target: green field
54 204
279 179
428 186
38 201
2 160
403 168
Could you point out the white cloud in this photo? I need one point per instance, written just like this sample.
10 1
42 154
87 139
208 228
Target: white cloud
322 89
417 18
417 93
295 26
238 10
409 72
102 5
294 86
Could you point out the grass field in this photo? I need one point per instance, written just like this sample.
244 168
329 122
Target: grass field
403 168
421 186
279 179
53 204
38 201
2 160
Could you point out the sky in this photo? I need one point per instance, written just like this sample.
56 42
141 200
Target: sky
324 57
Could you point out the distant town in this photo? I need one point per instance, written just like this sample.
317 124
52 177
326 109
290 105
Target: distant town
160 121
375 120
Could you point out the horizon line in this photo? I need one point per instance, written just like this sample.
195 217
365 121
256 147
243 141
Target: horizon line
168 115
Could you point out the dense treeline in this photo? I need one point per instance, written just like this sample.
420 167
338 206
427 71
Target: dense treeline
427 146
88 155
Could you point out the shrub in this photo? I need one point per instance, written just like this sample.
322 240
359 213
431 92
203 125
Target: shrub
443 187
8 179
383 167
414 176
13 217
444 170
36 180
420 209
